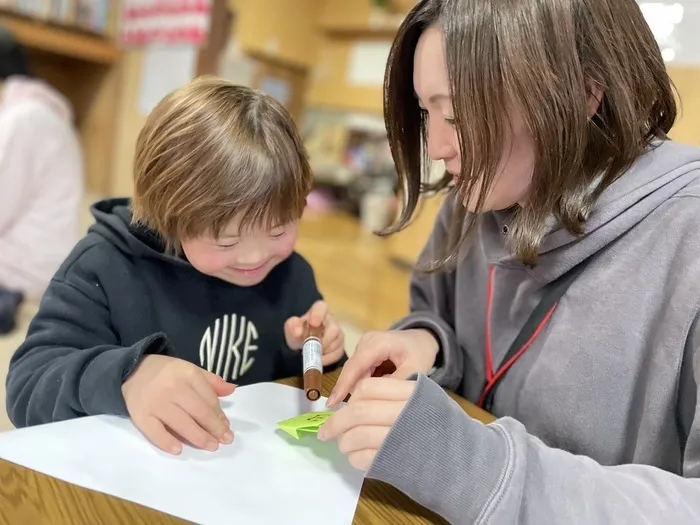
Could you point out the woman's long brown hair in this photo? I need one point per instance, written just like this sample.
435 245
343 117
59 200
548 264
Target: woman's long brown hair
547 58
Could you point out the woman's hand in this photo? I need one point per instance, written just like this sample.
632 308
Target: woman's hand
317 316
172 402
408 352
363 424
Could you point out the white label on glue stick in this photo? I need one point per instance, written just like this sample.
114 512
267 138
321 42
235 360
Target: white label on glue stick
312 353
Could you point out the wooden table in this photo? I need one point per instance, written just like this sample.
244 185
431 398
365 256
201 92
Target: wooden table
29 497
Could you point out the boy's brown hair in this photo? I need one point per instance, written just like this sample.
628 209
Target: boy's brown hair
213 151
546 57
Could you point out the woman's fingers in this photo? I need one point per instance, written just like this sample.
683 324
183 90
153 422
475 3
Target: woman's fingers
371 352
375 401
363 438
362 459
372 413
355 369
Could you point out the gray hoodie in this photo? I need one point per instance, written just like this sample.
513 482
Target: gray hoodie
597 420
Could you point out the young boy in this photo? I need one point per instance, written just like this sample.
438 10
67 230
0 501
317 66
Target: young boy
170 301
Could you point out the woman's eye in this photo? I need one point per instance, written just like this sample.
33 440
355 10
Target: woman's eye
450 121
278 235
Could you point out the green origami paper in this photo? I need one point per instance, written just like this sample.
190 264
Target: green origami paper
305 423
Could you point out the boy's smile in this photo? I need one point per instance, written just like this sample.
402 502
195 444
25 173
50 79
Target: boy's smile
254 275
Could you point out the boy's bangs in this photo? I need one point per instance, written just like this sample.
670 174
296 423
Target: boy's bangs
277 196
258 189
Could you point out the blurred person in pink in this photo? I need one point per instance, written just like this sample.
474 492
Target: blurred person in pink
41 175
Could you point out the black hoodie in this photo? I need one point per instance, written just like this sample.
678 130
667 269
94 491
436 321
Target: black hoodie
119 296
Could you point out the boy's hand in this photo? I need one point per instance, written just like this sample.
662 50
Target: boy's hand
172 402
333 337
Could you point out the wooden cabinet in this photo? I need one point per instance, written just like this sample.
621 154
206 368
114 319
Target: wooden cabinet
284 31
343 24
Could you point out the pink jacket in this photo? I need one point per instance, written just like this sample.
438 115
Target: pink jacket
41 184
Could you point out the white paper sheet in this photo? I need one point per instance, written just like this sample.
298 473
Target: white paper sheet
165 69
264 477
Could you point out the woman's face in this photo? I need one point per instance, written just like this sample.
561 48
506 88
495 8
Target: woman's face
431 84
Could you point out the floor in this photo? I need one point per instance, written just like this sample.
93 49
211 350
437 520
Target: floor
364 290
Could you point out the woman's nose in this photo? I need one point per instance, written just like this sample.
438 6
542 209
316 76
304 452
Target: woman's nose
440 144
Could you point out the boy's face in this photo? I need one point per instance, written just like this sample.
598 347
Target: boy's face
243 258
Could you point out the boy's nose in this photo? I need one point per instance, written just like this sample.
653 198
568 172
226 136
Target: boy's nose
250 260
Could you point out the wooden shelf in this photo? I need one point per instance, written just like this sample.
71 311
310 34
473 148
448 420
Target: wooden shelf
359 19
360 32
60 40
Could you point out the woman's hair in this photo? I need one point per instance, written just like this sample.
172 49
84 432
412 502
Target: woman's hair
546 58
13 58
212 152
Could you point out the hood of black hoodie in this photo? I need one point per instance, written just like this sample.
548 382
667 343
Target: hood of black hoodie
113 221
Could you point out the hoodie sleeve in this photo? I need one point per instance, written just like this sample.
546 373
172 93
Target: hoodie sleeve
71 363
431 307
469 472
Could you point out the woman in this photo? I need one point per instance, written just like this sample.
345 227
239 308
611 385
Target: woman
41 175
572 311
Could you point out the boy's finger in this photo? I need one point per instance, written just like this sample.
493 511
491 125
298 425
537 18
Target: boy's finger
215 385
157 434
210 419
318 313
180 422
294 328
206 386
333 357
331 337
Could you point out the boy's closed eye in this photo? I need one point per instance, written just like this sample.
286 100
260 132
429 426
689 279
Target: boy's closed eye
273 234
